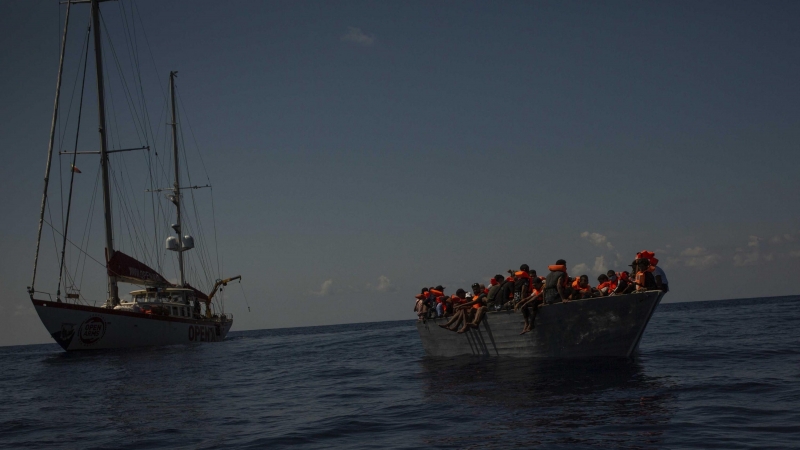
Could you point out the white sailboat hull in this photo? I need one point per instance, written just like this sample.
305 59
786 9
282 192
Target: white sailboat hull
79 327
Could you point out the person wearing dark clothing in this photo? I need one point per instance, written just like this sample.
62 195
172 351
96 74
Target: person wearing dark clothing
556 285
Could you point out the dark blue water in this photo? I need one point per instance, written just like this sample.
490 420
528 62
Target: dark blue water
722 374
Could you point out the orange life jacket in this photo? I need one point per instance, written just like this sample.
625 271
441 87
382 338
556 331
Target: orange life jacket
577 286
436 293
603 285
640 282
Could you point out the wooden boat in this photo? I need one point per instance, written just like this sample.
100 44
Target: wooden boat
597 327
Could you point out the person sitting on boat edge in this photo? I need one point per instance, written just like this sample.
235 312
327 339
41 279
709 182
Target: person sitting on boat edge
530 304
494 298
581 289
459 315
624 285
475 309
438 296
604 285
556 289
422 304
522 284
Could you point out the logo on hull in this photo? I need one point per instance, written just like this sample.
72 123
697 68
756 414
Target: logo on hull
92 330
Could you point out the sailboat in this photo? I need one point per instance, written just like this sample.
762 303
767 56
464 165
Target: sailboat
158 312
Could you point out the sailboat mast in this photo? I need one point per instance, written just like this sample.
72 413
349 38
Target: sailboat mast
113 292
177 189
32 287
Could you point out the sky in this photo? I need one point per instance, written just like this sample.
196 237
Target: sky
361 150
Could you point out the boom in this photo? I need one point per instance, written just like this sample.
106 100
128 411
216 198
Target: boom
216 288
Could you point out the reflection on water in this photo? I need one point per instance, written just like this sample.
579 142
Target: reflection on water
517 402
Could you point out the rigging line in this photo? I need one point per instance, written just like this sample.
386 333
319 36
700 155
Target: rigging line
137 77
123 81
194 207
141 240
128 43
128 97
62 46
123 214
55 243
208 179
72 174
149 49
153 202
139 215
87 254
202 249
245 296
88 227
113 113
75 83
133 235
137 61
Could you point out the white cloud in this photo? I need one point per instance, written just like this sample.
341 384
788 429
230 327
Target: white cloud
599 265
385 284
325 290
23 310
356 36
597 239
751 256
579 269
697 257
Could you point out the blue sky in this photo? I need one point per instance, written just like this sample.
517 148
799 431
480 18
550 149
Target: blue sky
361 150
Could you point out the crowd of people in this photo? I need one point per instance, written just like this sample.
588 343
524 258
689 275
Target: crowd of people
525 291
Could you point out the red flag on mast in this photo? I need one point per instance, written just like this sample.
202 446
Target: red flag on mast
75 169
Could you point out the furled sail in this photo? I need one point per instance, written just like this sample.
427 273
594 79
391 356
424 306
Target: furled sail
129 270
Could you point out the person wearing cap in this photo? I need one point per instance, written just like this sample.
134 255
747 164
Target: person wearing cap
644 280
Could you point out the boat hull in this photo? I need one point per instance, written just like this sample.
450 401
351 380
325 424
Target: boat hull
599 327
79 327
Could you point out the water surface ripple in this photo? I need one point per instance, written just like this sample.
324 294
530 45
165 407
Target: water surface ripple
723 374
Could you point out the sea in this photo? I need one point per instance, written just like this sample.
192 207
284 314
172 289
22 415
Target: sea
717 374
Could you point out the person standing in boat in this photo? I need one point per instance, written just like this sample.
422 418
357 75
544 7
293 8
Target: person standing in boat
644 281
556 287
659 275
